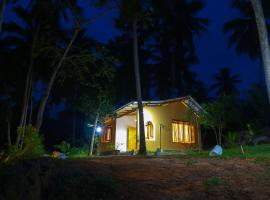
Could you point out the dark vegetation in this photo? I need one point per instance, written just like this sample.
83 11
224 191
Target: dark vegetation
57 83
59 94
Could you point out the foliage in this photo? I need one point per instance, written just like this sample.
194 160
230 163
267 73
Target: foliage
220 114
32 141
213 181
52 179
242 30
251 151
231 139
226 83
257 117
31 144
110 147
250 135
64 147
77 152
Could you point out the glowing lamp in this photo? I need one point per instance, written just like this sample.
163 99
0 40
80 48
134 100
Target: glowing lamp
99 129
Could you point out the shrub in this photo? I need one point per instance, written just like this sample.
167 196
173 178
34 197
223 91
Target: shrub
64 147
79 151
31 144
32 141
213 181
231 139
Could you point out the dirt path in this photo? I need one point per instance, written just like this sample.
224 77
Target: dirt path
174 177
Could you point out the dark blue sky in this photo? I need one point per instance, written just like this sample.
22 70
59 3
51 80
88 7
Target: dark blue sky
212 48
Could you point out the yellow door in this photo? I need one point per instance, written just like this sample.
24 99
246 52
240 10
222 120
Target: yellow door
132 139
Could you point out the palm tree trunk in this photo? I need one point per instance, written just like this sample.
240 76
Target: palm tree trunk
8 132
46 95
264 42
261 73
173 75
91 144
74 127
31 106
142 147
2 12
28 83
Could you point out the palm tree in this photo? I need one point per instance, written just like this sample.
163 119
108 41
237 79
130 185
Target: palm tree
263 38
3 5
225 82
40 27
242 30
131 13
176 25
51 12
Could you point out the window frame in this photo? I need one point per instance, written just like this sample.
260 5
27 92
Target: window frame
149 123
105 135
185 133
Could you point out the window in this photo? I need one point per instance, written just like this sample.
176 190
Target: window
108 134
149 135
183 132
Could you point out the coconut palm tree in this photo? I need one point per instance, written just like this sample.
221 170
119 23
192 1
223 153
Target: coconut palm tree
3 5
242 30
177 24
131 17
130 14
264 41
40 28
226 83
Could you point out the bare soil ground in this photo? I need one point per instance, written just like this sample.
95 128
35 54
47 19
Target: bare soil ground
180 177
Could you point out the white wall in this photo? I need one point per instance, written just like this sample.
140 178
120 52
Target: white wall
122 125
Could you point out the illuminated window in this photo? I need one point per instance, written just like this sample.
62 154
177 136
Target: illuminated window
108 134
183 132
149 135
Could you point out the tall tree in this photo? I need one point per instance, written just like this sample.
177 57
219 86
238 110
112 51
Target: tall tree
131 14
264 42
3 5
176 25
243 34
226 83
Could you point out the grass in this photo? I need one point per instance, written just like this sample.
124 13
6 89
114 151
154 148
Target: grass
257 151
260 152
212 182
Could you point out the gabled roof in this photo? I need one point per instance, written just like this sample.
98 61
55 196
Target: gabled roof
133 105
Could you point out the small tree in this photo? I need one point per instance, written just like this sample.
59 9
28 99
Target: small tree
94 74
219 114
95 109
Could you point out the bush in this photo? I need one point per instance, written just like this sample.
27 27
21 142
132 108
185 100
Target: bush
32 141
63 147
212 182
79 151
231 139
31 144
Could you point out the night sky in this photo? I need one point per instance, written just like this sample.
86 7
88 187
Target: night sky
212 47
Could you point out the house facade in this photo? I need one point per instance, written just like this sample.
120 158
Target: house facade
169 125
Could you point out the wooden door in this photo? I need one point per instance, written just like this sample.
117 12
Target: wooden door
132 138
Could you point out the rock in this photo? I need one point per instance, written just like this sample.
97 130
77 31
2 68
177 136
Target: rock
57 154
261 139
158 152
63 156
216 151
